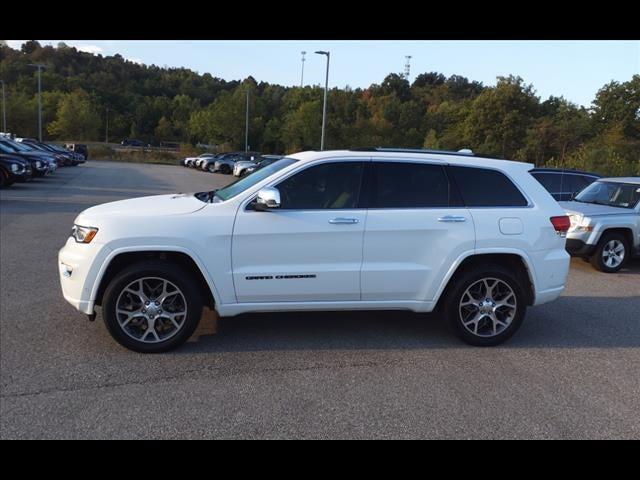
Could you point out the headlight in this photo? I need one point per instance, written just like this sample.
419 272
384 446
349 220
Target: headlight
38 164
14 167
83 234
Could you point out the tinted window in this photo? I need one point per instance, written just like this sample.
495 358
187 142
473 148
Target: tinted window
550 181
408 185
482 187
573 183
326 186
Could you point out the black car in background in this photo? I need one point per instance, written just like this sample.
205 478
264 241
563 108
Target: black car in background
13 169
132 142
562 183
79 149
39 161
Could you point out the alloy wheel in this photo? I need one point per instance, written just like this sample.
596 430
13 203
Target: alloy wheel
487 307
151 309
613 253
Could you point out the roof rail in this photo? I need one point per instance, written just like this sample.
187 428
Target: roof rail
464 151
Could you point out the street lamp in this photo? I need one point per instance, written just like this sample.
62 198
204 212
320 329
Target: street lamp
4 110
39 67
324 107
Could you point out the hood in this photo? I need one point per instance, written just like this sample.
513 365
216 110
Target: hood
593 210
152 206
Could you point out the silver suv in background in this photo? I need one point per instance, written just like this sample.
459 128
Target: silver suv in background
605 222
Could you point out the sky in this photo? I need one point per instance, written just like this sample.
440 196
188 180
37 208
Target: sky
573 69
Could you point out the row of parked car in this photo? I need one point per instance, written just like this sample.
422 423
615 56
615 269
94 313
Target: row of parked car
22 159
236 163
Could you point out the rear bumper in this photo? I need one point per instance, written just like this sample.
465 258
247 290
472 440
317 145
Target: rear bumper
578 248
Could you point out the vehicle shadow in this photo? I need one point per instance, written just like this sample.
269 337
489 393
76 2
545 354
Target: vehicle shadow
569 322
631 267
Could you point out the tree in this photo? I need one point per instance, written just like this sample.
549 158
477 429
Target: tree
77 118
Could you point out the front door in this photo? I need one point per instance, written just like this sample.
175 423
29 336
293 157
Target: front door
309 249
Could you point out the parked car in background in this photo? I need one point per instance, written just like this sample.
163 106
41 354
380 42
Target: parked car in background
208 163
561 183
605 222
40 162
63 158
132 142
225 163
13 169
479 239
79 149
190 161
244 167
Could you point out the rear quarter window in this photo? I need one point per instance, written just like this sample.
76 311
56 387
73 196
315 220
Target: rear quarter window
482 187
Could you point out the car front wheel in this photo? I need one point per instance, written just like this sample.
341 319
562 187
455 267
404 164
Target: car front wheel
152 306
486 305
611 253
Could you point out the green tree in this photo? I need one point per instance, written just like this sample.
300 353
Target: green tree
77 117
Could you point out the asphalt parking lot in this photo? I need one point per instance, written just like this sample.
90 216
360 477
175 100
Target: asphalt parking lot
572 371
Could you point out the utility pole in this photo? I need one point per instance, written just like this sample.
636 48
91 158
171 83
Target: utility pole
39 67
324 106
4 110
246 128
106 135
302 75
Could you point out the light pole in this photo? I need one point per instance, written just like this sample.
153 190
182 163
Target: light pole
302 75
106 135
246 127
4 110
324 107
39 67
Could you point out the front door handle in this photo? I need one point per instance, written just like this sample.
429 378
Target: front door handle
343 221
452 219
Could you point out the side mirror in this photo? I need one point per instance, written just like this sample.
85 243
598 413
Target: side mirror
268 198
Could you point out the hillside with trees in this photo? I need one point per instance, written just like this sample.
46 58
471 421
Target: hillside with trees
154 104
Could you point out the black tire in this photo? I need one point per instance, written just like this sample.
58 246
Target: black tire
226 169
211 168
160 269
461 282
598 260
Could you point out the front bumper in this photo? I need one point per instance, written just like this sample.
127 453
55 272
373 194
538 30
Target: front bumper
79 265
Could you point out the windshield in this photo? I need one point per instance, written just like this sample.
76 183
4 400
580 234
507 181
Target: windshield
17 147
249 181
613 194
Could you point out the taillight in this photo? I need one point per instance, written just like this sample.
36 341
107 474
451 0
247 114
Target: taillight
561 224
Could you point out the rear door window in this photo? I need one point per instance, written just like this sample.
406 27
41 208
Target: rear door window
408 185
550 181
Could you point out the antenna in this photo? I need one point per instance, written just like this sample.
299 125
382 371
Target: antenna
302 75
407 66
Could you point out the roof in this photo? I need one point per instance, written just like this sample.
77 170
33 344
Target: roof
632 180
449 158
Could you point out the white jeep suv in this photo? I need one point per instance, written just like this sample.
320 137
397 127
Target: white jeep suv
478 239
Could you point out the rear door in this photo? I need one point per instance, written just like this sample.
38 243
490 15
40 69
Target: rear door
415 228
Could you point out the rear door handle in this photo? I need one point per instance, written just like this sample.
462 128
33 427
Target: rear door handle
343 221
452 219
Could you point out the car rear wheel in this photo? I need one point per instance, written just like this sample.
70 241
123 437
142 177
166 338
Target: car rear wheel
611 253
226 169
152 306
486 305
